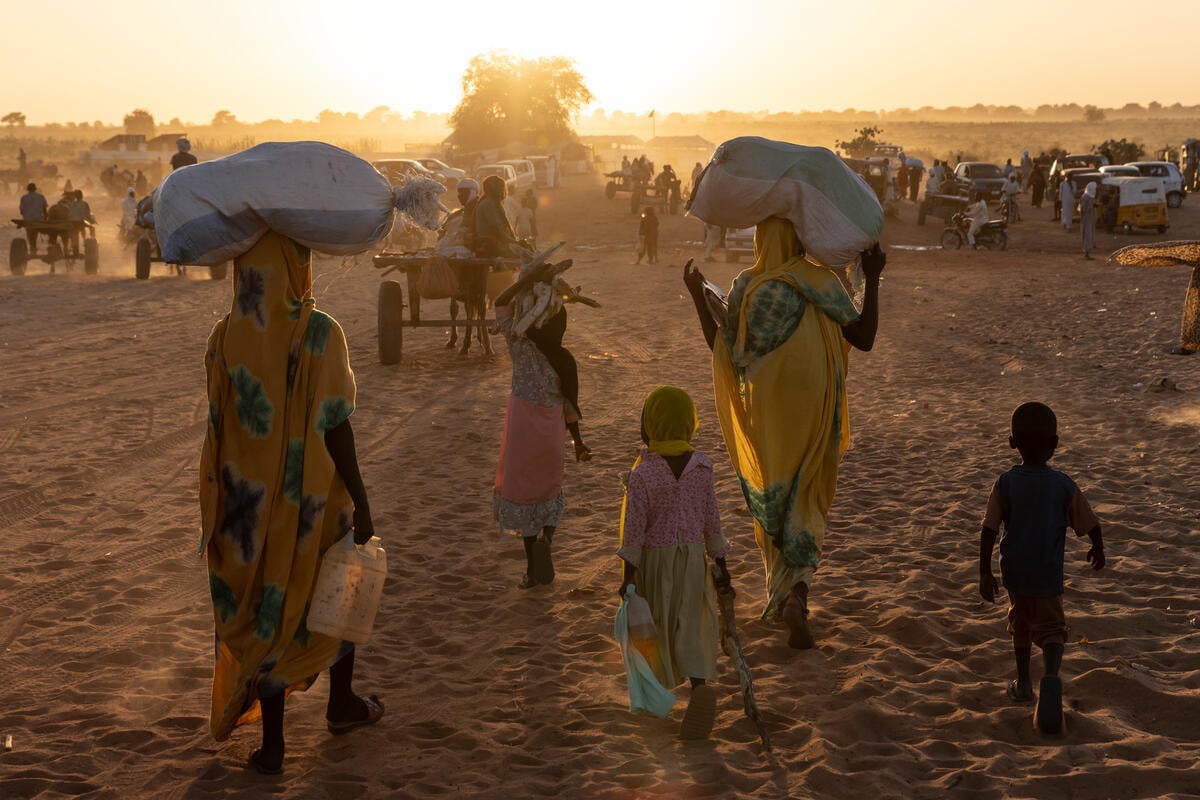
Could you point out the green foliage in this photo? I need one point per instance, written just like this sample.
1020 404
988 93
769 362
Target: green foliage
1120 151
863 143
510 99
139 121
14 118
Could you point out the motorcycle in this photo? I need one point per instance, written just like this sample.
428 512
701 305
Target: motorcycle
993 233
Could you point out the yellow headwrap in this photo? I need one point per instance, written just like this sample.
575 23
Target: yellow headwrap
670 420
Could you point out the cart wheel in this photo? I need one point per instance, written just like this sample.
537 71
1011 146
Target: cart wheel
951 239
1127 228
1002 240
219 271
142 259
610 191
391 322
921 214
18 255
91 256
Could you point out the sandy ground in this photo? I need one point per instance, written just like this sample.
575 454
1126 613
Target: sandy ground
106 628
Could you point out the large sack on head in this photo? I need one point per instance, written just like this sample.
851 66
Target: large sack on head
324 197
835 213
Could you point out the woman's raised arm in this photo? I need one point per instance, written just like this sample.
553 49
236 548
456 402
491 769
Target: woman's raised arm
694 281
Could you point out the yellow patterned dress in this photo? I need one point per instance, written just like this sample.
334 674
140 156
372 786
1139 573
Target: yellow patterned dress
779 378
271 500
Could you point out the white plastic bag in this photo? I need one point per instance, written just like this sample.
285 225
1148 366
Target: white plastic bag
645 692
834 212
324 197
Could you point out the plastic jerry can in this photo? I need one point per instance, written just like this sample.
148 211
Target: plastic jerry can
349 587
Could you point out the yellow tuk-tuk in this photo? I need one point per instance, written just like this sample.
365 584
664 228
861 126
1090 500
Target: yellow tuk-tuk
1129 203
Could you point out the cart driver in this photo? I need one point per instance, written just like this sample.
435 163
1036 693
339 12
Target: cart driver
457 235
80 211
33 209
184 157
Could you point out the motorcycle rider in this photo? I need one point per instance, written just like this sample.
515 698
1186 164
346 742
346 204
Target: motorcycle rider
977 213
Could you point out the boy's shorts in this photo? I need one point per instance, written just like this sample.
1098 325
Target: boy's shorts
1036 620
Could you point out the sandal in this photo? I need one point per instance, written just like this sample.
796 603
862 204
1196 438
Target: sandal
1014 693
374 714
527 582
795 615
261 768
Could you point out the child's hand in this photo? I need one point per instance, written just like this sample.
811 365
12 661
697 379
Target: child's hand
1095 557
722 580
582 452
988 586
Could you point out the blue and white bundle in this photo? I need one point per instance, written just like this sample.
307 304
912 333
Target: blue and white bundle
324 197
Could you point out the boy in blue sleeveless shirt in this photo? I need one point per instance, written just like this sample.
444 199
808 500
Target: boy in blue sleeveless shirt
1035 504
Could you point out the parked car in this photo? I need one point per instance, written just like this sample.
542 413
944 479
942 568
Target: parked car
398 170
505 171
889 151
523 167
1092 161
541 171
983 177
1168 174
1121 171
1080 177
442 170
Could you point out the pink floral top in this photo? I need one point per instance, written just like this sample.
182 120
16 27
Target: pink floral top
661 511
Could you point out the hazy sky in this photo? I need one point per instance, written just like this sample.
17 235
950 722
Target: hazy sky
77 61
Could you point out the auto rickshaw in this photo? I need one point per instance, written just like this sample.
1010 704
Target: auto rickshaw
1128 203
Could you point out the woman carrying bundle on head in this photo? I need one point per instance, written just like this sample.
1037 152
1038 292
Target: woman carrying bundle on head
780 351
542 406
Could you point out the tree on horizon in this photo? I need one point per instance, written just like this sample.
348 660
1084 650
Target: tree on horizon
510 99
139 121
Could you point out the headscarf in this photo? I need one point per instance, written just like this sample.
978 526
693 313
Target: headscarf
1090 190
779 256
471 186
669 421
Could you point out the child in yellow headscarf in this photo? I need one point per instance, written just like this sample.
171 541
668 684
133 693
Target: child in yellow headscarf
670 526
